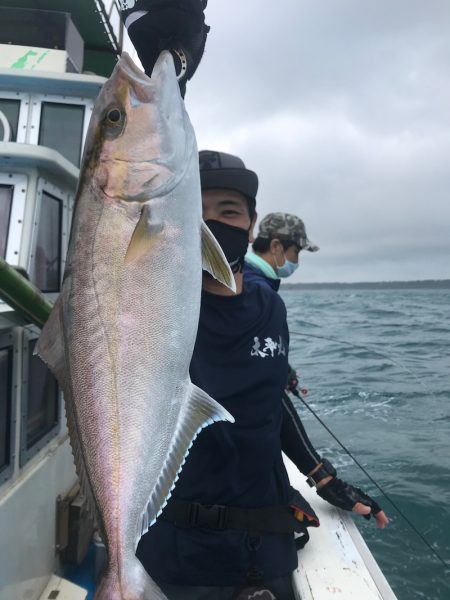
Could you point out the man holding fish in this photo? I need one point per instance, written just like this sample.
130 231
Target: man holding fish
147 360
228 530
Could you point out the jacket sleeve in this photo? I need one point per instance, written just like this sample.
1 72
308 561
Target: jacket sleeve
195 7
294 440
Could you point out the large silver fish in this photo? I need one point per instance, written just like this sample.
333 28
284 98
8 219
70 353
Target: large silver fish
121 335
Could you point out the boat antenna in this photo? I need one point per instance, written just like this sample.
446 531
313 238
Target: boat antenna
297 394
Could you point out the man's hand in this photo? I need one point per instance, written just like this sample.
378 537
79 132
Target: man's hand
292 380
345 496
380 517
174 25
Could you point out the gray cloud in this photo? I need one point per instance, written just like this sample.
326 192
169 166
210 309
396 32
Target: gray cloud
342 107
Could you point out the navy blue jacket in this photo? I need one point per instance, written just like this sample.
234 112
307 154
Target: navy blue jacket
295 441
254 275
240 359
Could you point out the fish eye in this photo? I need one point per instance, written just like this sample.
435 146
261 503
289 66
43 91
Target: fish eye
114 116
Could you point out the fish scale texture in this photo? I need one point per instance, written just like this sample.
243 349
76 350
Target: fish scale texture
129 313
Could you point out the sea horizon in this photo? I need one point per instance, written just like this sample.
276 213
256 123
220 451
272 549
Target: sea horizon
425 284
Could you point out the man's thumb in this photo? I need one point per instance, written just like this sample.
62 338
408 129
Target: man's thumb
361 509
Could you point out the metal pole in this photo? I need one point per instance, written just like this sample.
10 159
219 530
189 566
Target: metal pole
23 296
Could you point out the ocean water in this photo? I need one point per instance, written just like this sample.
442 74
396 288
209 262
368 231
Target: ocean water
382 385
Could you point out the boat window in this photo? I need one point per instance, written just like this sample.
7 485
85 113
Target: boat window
45 268
6 194
42 400
6 355
10 109
62 129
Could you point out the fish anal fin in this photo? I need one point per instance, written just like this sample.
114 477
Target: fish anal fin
214 260
198 412
145 235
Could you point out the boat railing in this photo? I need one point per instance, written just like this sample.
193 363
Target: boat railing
109 11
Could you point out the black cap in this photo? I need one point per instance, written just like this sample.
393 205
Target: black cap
219 170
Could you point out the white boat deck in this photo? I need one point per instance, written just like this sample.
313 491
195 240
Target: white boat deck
61 589
336 562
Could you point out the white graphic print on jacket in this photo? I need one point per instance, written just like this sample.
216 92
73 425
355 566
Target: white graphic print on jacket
268 347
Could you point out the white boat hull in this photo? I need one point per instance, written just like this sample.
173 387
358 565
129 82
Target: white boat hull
336 562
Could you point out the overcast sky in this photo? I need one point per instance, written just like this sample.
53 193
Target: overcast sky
342 107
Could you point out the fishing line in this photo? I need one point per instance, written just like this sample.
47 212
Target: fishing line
394 504
356 461
370 349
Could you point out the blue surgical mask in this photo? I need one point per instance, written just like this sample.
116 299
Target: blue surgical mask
287 269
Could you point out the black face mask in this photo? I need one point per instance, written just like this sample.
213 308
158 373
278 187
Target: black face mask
233 241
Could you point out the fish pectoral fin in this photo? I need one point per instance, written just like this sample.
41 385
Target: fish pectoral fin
198 411
214 260
144 237
50 346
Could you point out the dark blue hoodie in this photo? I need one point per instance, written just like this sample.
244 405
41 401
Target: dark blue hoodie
254 275
241 360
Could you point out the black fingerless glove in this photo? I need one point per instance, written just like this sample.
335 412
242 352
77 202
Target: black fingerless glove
345 496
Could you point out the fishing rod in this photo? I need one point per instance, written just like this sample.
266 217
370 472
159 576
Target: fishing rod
367 474
297 394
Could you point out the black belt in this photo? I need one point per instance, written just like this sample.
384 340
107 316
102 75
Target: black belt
272 519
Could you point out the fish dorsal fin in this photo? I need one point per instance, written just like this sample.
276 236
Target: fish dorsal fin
199 411
214 260
144 237
50 348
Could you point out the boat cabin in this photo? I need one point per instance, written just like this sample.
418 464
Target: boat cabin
53 63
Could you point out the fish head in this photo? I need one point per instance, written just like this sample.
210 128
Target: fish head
140 138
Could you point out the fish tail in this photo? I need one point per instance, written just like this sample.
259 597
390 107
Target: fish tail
135 584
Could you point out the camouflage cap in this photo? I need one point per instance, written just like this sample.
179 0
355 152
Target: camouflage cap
284 226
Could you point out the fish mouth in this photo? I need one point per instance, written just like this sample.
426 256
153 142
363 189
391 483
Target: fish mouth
130 68
164 64
157 88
